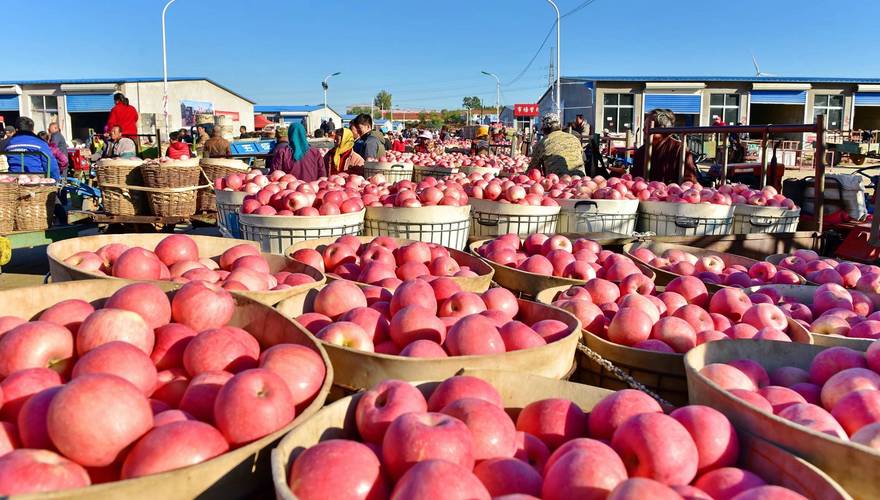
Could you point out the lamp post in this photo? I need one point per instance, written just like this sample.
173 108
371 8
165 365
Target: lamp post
497 94
325 86
165 67
558 60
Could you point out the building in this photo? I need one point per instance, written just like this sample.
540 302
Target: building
83 105
312 116
619 103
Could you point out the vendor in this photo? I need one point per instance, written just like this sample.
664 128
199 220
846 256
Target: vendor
480 144
118 146
665 154
425 142
25 141
557 152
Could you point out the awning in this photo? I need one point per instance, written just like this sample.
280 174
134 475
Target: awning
677 103
260 121
868 99
89 103
8 102
779 97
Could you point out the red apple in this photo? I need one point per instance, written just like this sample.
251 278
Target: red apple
202 306
716 439
177 248
616 408
553 421
252 404
67 313
474 335
149 301
221 349
39 471
656 446
173 446
301 368
439 479
337 468
38 344
138 264
122 359
416 437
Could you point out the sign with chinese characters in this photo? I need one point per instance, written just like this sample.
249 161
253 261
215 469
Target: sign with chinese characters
525 110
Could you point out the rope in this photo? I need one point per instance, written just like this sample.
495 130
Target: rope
621 375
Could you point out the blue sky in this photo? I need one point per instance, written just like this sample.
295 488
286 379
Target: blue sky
430 54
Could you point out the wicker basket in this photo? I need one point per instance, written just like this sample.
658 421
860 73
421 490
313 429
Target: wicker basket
172 202
8 203
164 176
36 207
114 177
214 168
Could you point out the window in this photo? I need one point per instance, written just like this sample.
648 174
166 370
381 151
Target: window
44 110
726 106
619 112
832 107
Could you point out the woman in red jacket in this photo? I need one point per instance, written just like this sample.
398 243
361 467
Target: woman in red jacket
123 115
177 149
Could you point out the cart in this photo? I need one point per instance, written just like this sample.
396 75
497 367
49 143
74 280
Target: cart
857 151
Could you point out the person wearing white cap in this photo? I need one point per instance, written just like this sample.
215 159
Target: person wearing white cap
558 152
424 142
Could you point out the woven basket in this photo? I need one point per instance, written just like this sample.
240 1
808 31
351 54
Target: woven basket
213 168
172 202
114 177
8 203
164 176
123 201
36 207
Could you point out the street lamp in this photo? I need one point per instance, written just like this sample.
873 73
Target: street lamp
325 86
165 67
558 60
497 94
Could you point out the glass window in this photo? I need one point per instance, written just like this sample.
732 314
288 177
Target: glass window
725 106
44 110
619 112
832 107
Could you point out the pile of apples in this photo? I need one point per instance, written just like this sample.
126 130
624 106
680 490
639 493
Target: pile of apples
279 193
557 255
425 318
426 193
713 269
632 314
458 160
853 275
519 189
176 258
382 262
461 443
141 386
836 311
26 179
839 394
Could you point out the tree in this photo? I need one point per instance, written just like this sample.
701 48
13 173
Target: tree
356 110
383 100
472 103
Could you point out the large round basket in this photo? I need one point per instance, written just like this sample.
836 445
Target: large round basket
491 218
444 225
240 473
392 171
172 202
663 373
36 207
470 169
855 467
171 174
337 421
749 219
209 247
8 204
355 370
228 208
528 285
114 179
275 233
436 171
214 168
684 219
597 216
477 284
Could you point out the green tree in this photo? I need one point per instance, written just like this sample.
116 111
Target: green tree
383 100
472 103
356 110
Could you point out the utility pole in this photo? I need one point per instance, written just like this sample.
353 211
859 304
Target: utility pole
165 67
558 59
326 86
497 94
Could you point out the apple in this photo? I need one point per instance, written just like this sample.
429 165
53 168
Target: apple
831 361
434 478
814 417
459 387
39 471
728 377
301 368
714 436
416 437
590 470
692 289
423 349
173 446
337 468
553 421
122 359
309 256
201 393
21 385
171 341
67 313
378 407
252 404
846 381
501 299
346 334
37 344
202 306
614 409
176 248
232 254
658 447
415 322
474 335
728 482
629 326
31 421
147 300
86 261
137 264
508 476
492 429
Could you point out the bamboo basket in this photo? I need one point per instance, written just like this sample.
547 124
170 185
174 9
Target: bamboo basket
214 168
36 207
176 174
337 421
444 225
275 233
114 179
209 247
8 204
660 372
491 218
476 284
356 370
239 473
855 467
172 202
528 284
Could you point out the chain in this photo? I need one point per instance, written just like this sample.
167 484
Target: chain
647 235
623 376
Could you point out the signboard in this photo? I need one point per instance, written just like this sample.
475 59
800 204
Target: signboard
525 110
190 109
233 115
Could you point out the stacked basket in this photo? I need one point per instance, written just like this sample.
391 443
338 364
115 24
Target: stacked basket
172 187
36 207
393 172
215 168
8 204
115 179
492 218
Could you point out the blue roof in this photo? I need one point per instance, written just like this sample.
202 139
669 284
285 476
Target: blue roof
287 109
769 79
121 79
348 117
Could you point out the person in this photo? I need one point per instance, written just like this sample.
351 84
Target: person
319 133
342 157
177 149
370 143
293 155
96 146
480 144
57 138
216 146
124 116
59 156
242 132
557 152
665 154
25 141
424 142
119 146
329 126
579 125
8 132
398 144
331 135
716 121
185 136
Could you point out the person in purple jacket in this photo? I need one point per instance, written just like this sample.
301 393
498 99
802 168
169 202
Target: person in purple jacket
293 155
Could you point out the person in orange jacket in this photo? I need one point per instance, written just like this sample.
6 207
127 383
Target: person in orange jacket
177 149
123 115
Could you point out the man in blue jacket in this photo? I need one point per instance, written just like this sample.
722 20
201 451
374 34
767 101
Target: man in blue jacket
26 141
